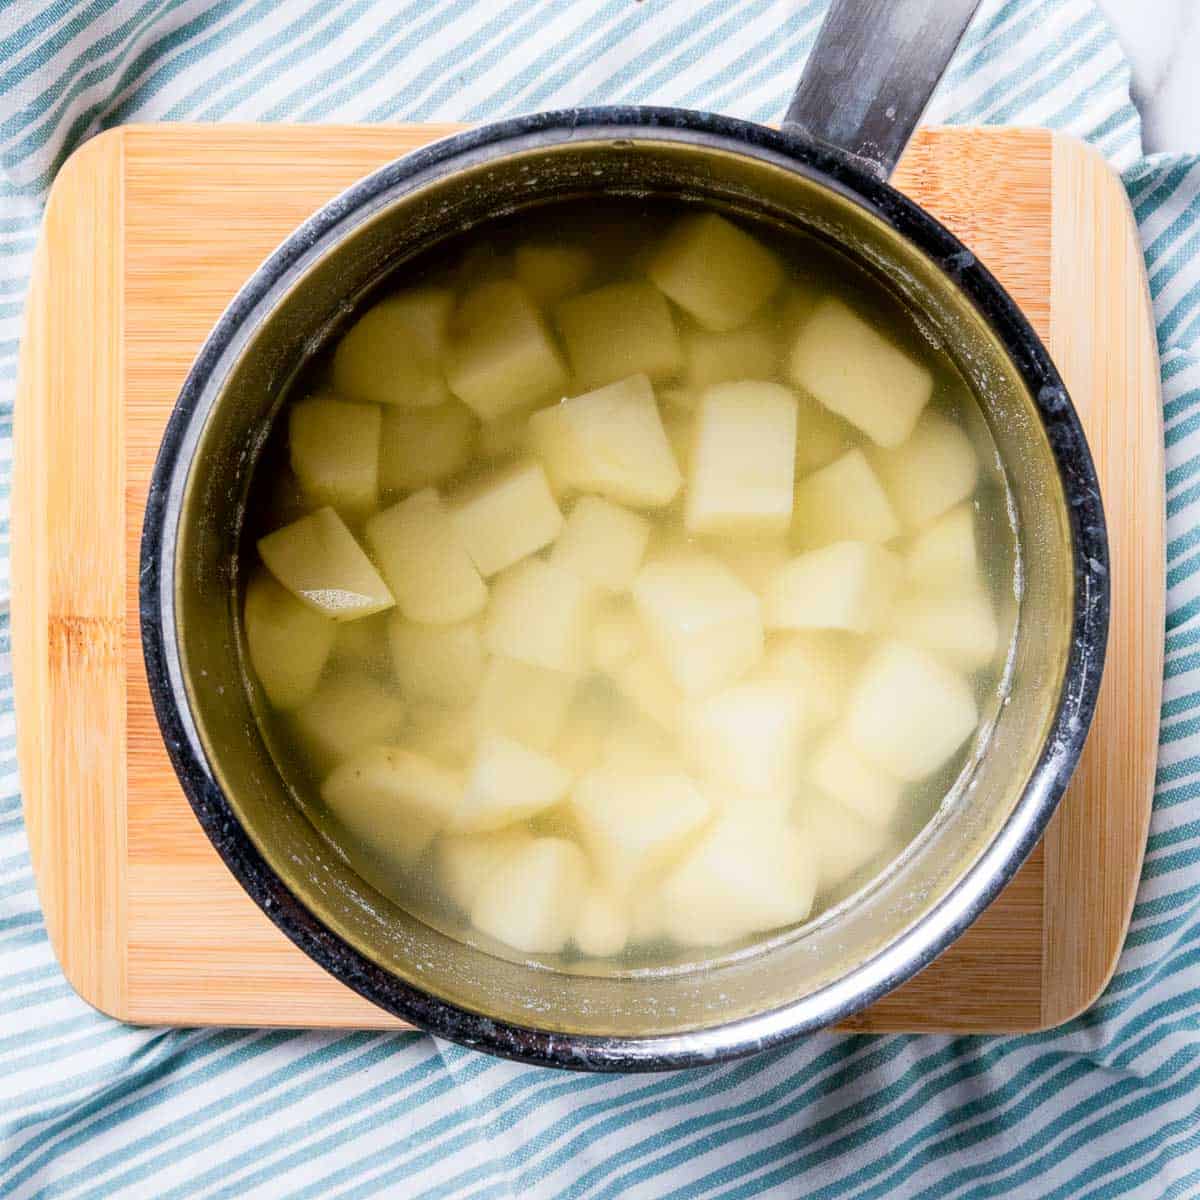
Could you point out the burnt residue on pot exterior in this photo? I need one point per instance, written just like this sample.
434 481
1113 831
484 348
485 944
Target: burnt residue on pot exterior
197 490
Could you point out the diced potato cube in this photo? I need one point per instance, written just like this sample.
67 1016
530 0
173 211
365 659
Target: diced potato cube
756 562
317 559
842 843
849 585
715 271
705 623
526 702
447 735
744 876
649 687
531 900
550 272
847 364
363 644
840 771
943 558
419 447
747 736
619 330
821 436
820 666
420 552
615 636
539 615
929 473
393 799
506 517
960 627
505 437
439 663
751 352
287 641
609 441
601 926
740 473
844 502
502 356
908 712
392 354
602 543
334 449
580 746
634 825
508 782
344 714
466 861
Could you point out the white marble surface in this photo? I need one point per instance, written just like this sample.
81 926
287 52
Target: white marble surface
1162 40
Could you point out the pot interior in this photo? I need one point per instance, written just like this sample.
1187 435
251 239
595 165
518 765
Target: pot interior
848 955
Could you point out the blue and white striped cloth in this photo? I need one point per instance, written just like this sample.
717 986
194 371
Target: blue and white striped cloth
1107 1106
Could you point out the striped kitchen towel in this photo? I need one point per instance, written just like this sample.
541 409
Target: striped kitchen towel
1107 1106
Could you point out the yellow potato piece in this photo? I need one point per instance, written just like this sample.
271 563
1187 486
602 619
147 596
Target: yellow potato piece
288 643
317 559
602 543
346 713
931 472
539 615
439 663
334 450
419 447
843 502
849 585
549 271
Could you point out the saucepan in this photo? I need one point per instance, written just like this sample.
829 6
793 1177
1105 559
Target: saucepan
824 171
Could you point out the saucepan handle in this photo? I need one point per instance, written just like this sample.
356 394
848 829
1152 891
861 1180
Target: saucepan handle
871 73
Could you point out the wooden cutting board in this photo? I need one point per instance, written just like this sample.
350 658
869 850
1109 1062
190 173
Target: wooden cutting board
149 233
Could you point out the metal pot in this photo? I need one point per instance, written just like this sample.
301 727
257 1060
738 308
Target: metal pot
825 171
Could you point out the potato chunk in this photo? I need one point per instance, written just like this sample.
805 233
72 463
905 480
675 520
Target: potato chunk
531 900
705 623
849 585
842 843
502 356
847 364
526 702
465 861
392 354
757 561
419 447
743 877
508 782
959 627
840 771
634 825
346 713
317 559
609 441
819 666
393 799
288 642
909 713
747 736
601 926
334 450
619 330
715 271
648 686
420 552
549 272
447 735
538 615
944 558
439 663
741 470
602 543
506 517
929 473
843 502
751 352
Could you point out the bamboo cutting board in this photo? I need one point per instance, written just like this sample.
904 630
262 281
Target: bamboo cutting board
148 234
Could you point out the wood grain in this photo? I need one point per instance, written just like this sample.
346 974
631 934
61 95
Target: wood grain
190 212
